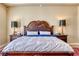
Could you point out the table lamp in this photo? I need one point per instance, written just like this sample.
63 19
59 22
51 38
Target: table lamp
62 23
14 24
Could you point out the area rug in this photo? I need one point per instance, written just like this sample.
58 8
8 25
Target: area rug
76 51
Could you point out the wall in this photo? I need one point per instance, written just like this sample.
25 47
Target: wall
51 14
78 22
3 24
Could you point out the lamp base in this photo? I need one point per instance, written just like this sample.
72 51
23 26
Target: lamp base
62 33
14 33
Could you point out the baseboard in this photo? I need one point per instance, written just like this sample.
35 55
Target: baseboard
74 44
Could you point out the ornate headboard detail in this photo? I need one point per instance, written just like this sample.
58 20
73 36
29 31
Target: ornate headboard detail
38 26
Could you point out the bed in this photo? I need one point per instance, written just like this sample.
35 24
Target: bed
38 45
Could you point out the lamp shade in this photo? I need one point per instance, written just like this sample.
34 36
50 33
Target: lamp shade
14 24
62 23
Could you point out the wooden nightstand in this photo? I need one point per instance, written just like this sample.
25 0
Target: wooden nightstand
62 37
12 37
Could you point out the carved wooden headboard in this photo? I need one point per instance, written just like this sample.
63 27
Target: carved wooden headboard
38 26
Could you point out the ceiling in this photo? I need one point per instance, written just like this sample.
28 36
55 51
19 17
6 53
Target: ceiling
38 4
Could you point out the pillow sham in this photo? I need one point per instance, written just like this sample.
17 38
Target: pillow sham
44 32
32 32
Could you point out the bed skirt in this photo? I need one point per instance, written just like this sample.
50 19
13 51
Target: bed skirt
37 53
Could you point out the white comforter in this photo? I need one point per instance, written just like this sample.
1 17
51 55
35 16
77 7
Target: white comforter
39 43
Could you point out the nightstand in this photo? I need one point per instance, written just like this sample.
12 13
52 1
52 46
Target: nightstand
13 37
62 37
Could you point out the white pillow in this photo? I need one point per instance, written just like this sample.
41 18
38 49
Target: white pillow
32 32
45 32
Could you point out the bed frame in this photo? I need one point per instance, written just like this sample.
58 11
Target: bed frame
37 26
33 53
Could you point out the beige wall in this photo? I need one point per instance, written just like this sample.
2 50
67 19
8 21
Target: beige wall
25 14
3 24
78 22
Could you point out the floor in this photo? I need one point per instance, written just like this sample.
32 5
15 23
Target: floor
75 49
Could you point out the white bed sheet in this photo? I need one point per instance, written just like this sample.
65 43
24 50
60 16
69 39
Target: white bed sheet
38 43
